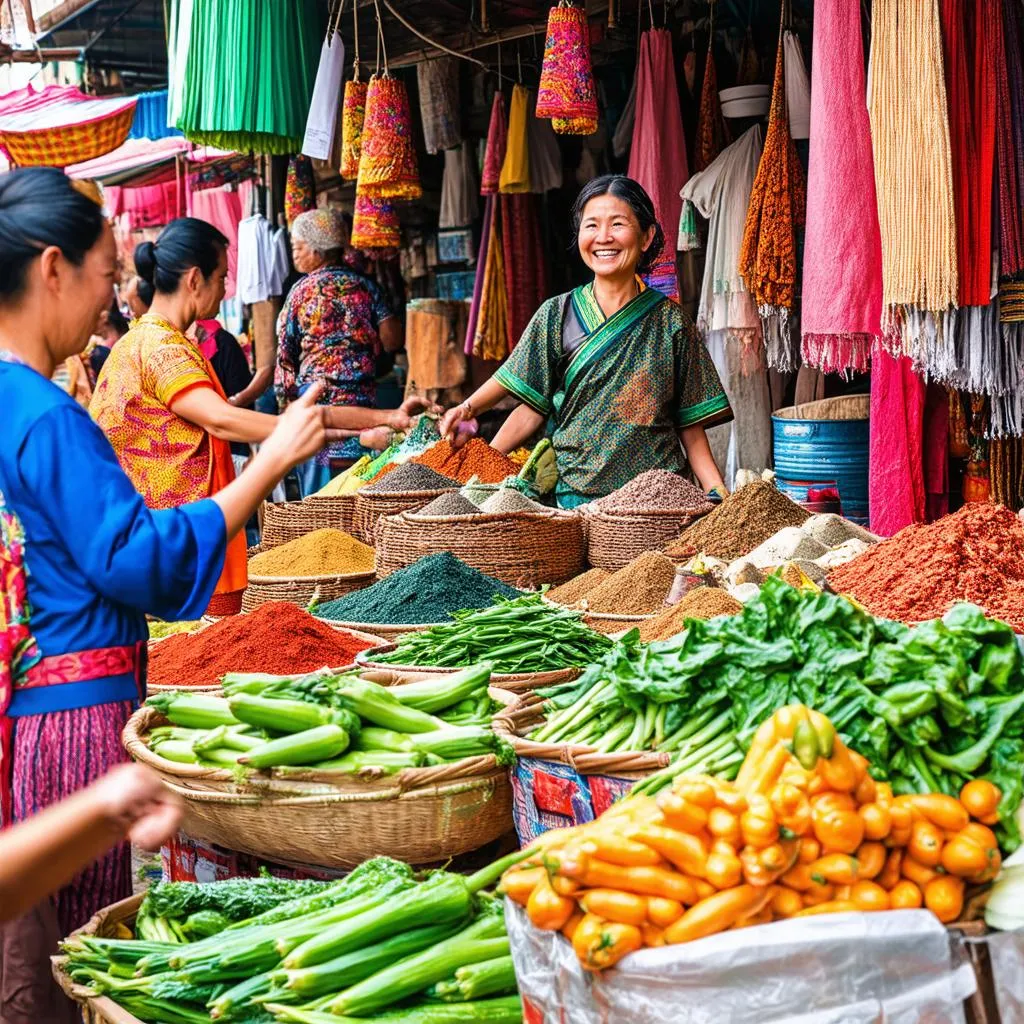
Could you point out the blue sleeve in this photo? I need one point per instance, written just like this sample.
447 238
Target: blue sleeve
165 563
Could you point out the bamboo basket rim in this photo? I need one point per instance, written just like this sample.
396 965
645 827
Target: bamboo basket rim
643 514
318 498
487 517
385 495
263 581
409 627
526 711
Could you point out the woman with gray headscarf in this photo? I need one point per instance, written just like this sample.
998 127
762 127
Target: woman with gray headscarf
334 324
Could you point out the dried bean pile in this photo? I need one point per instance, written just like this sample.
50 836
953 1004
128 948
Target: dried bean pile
657 490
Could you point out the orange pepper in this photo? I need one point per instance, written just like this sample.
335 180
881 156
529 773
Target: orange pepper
757 824
728 795
517 883
798 878
617 849
829 907
981 800
565 886
883 794
810 850
981 834
683 851
890 875
787 718
963 857
877 820
828 800
925 844
725 825
840 772
764 739
615 905
786 902
990 872
901 825
681 814
546 909
570 926
769 770
723 870
695 791
915 871
819 894
703 888
905 895
871 859
866 791
781 856
653 936
587 932
838 831
792 808
763 916
614 941
645 881
944 812
837 868
944 897
662 912
869 896
754 872
719 912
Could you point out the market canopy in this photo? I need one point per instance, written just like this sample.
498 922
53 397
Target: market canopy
143 161
61 125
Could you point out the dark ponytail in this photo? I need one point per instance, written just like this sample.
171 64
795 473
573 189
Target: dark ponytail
185 243
632 193
40 207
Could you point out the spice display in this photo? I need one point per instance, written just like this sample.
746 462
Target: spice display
745 519
429 590
320 553
929 707
657 490
526 634
383 944
277 637
576 589
508 499
475 458
700 603
804 829
162 629
451 503
411 477
976 554
639 588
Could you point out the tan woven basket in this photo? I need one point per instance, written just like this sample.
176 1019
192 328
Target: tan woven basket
336 819
288 520
523 549
387 633
613 541
372 507
334 510
515 682
609 624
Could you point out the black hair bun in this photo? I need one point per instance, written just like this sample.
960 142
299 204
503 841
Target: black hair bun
145 261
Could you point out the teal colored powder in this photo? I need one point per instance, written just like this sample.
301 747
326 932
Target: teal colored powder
426 591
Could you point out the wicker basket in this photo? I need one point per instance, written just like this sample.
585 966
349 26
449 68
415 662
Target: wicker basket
289 520
336 819
523 549
370 508
514 682
613 541
387 633
610 624
334 510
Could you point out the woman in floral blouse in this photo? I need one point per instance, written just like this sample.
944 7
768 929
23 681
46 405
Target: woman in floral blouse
334 324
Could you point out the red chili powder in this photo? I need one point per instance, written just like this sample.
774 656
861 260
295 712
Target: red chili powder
475 458
976 554
277 638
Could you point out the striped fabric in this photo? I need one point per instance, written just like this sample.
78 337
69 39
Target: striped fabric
55 755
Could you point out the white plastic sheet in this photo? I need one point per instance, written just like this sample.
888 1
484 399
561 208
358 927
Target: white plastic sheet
896 967
326 101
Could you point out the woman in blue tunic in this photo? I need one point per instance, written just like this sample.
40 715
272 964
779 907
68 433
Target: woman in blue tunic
82 559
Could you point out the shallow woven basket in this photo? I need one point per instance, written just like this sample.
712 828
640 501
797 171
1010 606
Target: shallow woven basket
387 633
336 819
514 682
288 520
523 549
372 507
300 590
613 541
609 624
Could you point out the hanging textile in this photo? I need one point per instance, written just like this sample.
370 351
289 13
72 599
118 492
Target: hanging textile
438 84
299 188
523 258
842 272
712 131
1010 143
459 191
494 152
491 337
623 136
1006 471
777 207
375 224
913 169
567 93
481 269
515 170
387 162
353 112
658 156
150 121
798 87
545 156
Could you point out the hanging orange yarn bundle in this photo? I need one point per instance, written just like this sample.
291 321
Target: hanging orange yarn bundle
353 111
387 163
567 94
375 224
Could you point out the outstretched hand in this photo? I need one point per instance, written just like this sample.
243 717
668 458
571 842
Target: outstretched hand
137 804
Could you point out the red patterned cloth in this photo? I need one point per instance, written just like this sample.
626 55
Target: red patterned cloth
525 271
81 667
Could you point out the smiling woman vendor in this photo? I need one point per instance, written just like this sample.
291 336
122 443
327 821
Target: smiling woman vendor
617 369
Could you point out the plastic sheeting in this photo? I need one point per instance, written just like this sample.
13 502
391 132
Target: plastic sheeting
899 967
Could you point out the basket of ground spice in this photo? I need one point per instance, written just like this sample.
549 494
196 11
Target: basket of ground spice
523 549
321 566
407 487
744 520
277 638
699 603
651 509
337 510
476 458
423 594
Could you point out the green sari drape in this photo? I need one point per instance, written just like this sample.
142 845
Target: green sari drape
615 403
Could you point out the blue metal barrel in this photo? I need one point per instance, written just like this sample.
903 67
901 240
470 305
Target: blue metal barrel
814 450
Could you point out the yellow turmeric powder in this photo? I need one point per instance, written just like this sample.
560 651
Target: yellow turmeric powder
320 553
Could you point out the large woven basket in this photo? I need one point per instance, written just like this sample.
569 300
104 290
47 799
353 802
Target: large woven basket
336 510
336 819
613 540
523 549
300 590
288 520
370 508
514 682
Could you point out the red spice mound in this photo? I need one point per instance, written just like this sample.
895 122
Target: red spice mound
277 638
475 458
975 554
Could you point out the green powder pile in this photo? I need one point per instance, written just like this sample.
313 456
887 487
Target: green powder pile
426 591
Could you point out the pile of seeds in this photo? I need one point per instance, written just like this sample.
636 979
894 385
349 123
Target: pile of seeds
508 499
657 490
699 603
411 477
320 553
639 588
451 503
747 518
578 587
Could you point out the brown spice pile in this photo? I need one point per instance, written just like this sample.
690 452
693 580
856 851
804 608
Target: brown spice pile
636 589
657 490
976 554
578 587
320 553
699 603
475 458
747 518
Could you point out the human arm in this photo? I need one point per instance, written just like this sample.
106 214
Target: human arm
522 423
698 453
261 380
219 417
42 854
486 397
392 337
